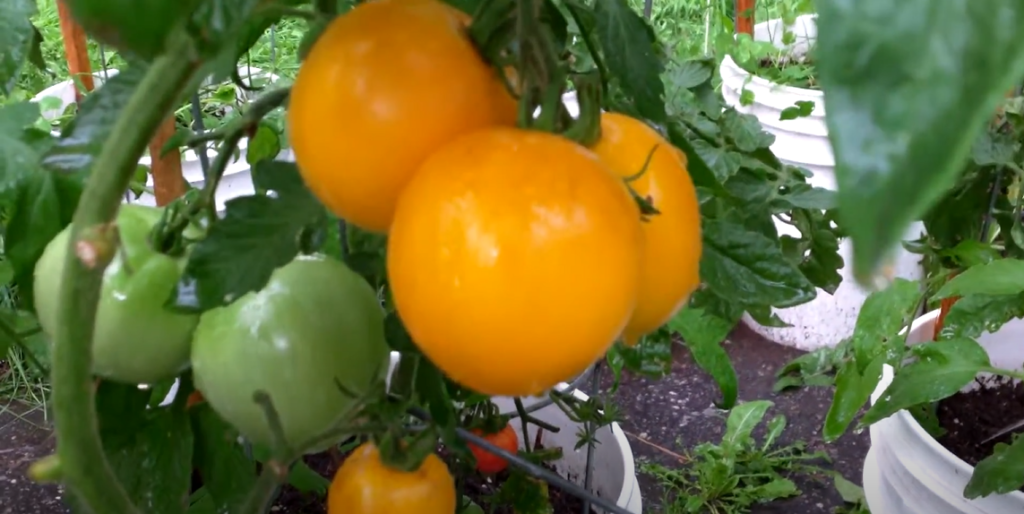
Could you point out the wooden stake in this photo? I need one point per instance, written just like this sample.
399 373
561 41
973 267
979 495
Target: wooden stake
76 50
745 17
168 182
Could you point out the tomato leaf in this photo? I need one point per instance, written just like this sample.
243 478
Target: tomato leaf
853 390
906 99
973 315
150 450
747 267
999 277
258 234
942 368
652 357
999 473
703 334
227 473
266 144
18 157
883 314
83 138
16 40
629 45
305 479
44 204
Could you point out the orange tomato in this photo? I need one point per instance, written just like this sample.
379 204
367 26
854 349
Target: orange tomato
671 269
382 88
365 485
489 463
514 260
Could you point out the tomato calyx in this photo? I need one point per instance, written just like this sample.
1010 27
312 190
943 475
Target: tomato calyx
406 453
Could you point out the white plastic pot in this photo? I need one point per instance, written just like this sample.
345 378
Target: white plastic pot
613 471
804 142
907 471
237 178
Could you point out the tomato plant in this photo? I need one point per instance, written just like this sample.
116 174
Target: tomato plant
445 205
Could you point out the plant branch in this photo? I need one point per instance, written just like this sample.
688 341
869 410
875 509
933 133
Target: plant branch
231 134
275 469
247 121
92 245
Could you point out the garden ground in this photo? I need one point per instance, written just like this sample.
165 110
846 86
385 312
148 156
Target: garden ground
662 418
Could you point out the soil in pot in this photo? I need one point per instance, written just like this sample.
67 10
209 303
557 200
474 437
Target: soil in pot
973 416
477 487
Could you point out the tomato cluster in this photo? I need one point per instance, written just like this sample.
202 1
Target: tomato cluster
276 340
515 257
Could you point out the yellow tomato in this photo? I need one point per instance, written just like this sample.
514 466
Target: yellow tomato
514 260
365 485
382 88
671 269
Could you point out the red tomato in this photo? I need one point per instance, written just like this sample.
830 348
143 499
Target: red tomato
489 463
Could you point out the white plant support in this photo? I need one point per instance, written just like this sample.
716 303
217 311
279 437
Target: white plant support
237 178
804 142
907 471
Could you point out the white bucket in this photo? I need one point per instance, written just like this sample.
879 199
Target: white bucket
804 142
907 471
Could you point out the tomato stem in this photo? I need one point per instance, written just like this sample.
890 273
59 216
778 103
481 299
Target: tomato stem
87 472
168 236
523 418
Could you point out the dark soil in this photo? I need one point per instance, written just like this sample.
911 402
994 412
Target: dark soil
479 489
972 417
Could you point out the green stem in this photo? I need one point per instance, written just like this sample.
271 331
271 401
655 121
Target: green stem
523 419
1018 375
92 244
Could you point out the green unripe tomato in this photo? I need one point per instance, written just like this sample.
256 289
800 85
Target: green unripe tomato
314 323
136 339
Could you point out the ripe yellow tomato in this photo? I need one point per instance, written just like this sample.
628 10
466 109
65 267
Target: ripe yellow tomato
671 269
365 485
382 88
514 259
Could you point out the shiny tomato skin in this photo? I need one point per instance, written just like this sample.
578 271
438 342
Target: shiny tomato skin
136 340
383 86
365 485
672 239
514 260
489 463
315 322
